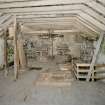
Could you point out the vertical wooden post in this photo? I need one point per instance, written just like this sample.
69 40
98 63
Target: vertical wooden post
5 53
21 54
93 74
16 56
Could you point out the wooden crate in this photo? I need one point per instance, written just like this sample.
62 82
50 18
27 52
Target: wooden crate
81 71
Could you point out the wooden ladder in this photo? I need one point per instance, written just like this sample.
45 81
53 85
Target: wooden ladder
95 56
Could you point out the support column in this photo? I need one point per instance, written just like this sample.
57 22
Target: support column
1 52
16 54
22 56
5 54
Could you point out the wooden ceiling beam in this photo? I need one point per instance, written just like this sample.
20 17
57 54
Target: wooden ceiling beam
4 18
97 6
88 24
75 25
102 1
92 20
83 15
76 5
55 31
78 19
39 3
83 8
11 1
64 14
43 9
50 14
46 19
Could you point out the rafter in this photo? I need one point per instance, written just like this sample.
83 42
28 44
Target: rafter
63 14
96 15
98 7
66 21
82 15
40 3
92 11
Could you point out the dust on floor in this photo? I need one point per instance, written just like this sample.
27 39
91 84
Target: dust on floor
25 92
